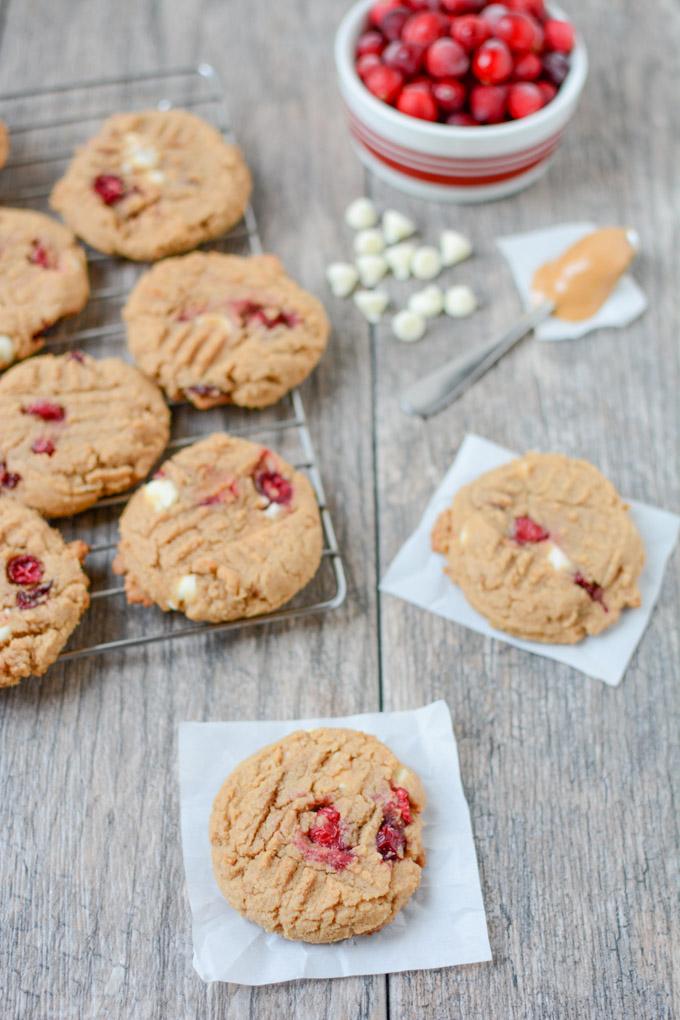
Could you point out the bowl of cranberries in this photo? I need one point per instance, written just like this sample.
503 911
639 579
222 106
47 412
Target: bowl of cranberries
461 100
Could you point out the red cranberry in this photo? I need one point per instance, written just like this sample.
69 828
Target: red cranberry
524 99
446 58
46 410
556 67
390 841
470 31
449 94
522 33
270 482
403 57
417 101
526 530
559 35
77 356
370 42
109 188
548 91
43 445
8 479
380 9
462 6
26 570
41 256
326 832
492 63
392 25
385 83
536 8
594 590
462 120
492 13
34 596
423 28
488 102
403 804
366 64
528 68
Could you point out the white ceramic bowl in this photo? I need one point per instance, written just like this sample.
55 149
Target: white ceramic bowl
446 162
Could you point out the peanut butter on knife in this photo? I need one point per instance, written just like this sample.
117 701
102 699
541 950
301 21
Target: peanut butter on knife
582 278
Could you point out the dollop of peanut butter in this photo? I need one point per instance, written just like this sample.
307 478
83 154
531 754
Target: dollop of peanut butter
582 278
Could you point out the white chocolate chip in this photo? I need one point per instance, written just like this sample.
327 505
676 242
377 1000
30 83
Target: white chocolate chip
428 302
408 326
369 242
558 559
399 258
273 510
342 278
372 304
455 247
185 590
155 176
161 493
371 268
396 227
463 537
426 263
7 350
459 301
361 213
5 634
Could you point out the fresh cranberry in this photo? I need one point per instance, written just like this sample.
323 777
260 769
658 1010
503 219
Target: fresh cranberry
488 103
390 841
326 832
34 596
559 35
527 68
526 530
366 64
492 63
462 120
470 31
26 570
524 99
594 590
449 94
370 42
403 57
109 188
492 13
423 28
403 804
462 6
548 91
521 32
556 67
43 445
8 479
536 8
323 841
392 25
275 487
446 58
380 9
385 83
416 100
46 410
41 256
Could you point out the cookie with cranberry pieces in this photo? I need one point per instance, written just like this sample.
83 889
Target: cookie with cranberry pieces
222 329
153 183
76 429
225 530
43 277
43 592
318 837
543 547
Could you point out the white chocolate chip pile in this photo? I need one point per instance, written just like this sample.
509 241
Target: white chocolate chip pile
385 244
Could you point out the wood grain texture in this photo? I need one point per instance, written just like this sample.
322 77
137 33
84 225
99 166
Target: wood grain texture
573 787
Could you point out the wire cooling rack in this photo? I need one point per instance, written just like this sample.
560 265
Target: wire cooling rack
45 127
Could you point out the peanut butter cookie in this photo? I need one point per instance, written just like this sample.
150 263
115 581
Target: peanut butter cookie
76 429
543 547
226 529
152 184
43 276
318 837
220 329
43 592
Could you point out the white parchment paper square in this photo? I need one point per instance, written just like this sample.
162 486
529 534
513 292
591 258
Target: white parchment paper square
443 924
526 252
417 574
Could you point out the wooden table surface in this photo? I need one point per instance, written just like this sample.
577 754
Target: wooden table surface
572 786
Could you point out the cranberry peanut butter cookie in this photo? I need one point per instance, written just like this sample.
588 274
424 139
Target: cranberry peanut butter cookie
43 276
318 837
43 592
222 329
543 547
153 183
76 429
226 529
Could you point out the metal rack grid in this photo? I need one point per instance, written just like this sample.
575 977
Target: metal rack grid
45 126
